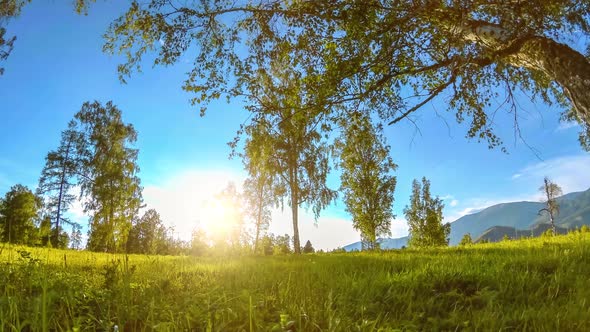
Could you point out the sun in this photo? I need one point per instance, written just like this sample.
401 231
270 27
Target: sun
218 217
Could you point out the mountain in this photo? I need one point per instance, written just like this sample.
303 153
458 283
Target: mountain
523 217
510 219
520 215
385 243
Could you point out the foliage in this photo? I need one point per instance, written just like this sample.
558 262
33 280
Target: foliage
443 289
471 54
109 182
148 235
18 214
550 192
466 240
366 179
58 177
424 216
8 9
276 244
308 248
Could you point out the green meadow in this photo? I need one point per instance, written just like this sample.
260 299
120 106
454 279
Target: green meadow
540 284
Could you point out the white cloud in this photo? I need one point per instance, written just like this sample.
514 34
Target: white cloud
399 228
567 125
572 172
453 203
328 233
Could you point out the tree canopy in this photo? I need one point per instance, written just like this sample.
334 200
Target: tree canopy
475 53
8 10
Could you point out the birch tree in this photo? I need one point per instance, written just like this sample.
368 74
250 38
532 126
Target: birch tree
367 181
283 138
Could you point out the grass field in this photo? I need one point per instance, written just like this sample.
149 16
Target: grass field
538 285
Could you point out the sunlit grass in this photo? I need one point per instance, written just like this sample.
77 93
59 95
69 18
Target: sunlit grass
538 284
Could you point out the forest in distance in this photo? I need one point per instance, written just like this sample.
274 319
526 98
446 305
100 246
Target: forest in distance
319 84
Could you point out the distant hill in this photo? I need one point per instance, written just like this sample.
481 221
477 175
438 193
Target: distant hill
497 233
385 243
511 219
520 215
523 217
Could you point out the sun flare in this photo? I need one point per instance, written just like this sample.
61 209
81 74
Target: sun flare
218 216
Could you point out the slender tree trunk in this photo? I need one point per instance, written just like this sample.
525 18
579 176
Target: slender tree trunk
552 223
259 217
294 209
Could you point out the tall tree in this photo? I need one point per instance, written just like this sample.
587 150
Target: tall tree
467 53
58 177
284 139
550 192
366 179
18 214
110 182
424 216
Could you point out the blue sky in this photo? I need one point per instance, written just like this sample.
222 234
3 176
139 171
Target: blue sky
58 64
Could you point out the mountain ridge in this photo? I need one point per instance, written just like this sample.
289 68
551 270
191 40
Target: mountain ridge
521 216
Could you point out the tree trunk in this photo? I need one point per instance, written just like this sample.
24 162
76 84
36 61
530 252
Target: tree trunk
552 223
566 66
259 217
294 210
561 63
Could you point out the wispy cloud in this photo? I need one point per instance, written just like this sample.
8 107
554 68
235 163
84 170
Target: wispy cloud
450 200
567 125
571 172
